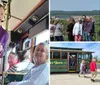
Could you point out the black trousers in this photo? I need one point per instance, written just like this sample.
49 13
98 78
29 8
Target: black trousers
51 38
59 38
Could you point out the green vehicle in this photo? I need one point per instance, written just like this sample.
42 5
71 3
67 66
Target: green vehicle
68 59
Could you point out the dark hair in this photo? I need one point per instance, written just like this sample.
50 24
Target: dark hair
1 6
51 21
21 55
12 52
73 20
12 44
84 15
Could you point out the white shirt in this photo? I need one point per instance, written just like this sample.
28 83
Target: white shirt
24 66
58 29
36 76
81 66
77 29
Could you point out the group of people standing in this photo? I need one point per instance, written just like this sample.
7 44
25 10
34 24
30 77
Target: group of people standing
82 30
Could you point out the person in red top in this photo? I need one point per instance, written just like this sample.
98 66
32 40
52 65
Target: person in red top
93 69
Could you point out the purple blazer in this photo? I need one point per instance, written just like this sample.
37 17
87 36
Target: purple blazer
3 39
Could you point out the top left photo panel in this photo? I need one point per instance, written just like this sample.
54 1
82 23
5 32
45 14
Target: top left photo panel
77 20
24 42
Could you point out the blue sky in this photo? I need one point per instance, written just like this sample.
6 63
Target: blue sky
95 47
75 5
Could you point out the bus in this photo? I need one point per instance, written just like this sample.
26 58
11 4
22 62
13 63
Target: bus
28 33
68 59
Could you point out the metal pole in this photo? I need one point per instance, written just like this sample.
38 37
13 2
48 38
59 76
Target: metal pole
8 14
7 21
3 70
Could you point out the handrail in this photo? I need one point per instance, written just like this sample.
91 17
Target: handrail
14 73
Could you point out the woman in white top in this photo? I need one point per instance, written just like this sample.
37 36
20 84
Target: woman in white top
77 30
58 32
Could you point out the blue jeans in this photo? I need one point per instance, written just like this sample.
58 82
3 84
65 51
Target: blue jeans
89 38
85 36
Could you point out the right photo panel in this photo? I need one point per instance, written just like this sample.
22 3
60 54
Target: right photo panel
74 42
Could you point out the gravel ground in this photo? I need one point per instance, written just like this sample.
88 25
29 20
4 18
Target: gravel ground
73 79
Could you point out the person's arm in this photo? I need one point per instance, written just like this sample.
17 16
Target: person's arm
54 28
93 28
90 28
81 31
3 43
81 66
74 28
95 67
68 28
38 77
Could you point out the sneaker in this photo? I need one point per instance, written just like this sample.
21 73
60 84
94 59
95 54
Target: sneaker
92 80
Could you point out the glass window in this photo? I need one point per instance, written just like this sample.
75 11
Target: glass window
90 57
79 56
64 55
83 56
56 55
86 56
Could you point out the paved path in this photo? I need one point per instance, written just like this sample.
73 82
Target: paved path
73 79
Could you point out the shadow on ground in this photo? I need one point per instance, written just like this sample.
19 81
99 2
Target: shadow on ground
97 80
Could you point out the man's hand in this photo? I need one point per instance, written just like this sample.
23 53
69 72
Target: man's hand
8 84
88 34
67 32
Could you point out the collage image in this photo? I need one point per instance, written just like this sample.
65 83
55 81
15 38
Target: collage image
75 42
49 42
